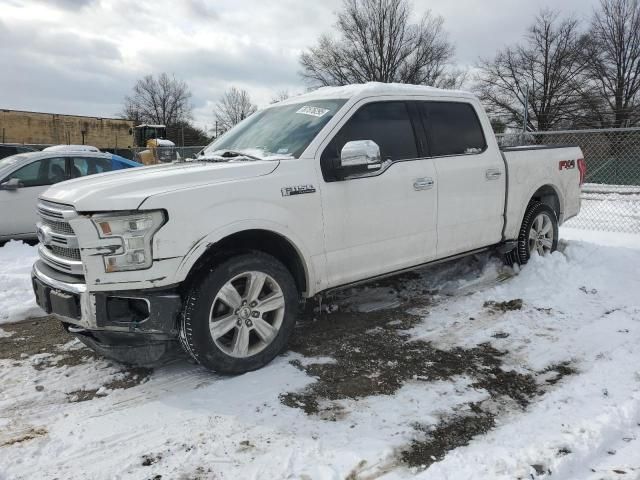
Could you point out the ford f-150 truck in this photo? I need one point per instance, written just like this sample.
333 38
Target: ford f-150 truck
320 191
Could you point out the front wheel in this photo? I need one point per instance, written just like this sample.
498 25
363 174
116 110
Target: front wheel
538 234
240 314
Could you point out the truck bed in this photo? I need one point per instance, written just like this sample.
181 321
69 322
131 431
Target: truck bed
539 171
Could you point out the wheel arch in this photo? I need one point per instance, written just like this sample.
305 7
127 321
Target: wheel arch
550 195
547 193
211 251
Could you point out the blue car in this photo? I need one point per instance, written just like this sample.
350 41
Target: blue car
25 176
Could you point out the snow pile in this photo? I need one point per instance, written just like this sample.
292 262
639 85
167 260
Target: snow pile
580 307
348 91
16 295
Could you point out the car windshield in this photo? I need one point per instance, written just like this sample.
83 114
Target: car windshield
13 159
281 131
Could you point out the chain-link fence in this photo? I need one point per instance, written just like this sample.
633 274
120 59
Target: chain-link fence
611 192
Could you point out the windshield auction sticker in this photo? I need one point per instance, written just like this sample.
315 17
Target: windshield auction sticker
313 111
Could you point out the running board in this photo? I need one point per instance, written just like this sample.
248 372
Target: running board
409 269
507 247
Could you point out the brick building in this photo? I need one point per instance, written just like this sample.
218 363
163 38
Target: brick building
52 129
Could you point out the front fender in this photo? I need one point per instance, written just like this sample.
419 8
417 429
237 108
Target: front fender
201 245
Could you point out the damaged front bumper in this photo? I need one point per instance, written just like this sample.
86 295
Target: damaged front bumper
113 316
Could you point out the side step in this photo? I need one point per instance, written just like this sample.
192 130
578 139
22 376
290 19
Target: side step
507 247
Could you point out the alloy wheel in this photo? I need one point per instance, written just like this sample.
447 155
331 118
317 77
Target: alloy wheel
246 314
541 235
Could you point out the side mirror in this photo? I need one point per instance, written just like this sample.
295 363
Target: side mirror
359 156
11 184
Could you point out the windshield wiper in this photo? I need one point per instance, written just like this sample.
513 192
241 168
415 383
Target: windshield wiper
228 154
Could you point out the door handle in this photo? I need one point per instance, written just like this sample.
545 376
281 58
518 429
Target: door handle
423 183
493 174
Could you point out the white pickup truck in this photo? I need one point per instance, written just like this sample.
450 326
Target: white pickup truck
320 191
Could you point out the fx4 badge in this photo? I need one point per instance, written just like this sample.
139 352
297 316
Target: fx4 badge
297 190
567 164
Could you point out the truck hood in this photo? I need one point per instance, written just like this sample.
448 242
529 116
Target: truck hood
127 189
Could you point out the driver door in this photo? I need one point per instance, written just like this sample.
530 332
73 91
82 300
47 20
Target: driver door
381 221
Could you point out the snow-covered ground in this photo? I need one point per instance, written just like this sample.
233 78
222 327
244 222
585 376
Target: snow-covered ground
467 370
16 296
613 208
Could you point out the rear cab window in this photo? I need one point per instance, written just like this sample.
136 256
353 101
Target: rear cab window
453 128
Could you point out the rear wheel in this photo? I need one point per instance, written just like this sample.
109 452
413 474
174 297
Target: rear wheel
240 314
538 234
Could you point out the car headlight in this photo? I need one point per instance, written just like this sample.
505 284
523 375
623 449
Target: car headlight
136 231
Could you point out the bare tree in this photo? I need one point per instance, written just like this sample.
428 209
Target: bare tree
164 100
234 106
613 53
546 67
377 42
188 134
280 96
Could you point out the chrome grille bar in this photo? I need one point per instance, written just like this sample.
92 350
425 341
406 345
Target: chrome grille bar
62 228
59 245
60 263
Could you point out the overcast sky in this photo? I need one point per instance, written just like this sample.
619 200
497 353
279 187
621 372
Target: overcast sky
83 56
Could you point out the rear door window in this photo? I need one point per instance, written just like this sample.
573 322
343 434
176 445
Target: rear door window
453 128
81 166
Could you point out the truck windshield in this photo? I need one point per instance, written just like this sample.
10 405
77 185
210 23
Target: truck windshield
277 131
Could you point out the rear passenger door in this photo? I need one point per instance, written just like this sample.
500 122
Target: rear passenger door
380 221
471 177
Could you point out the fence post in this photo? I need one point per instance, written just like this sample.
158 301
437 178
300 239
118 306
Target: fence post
525 113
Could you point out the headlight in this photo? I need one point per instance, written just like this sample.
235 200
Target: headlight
136 231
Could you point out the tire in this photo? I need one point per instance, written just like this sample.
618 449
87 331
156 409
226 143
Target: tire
545 243
230 327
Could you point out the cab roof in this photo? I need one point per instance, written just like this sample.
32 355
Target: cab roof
375 89
71 148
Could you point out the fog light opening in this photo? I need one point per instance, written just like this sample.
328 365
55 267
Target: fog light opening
127 310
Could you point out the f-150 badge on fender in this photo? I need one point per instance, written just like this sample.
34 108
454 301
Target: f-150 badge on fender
297 190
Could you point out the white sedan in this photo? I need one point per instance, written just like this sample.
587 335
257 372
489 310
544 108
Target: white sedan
25 176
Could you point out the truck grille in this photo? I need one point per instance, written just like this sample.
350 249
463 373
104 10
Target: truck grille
71 253
57 227
58 242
